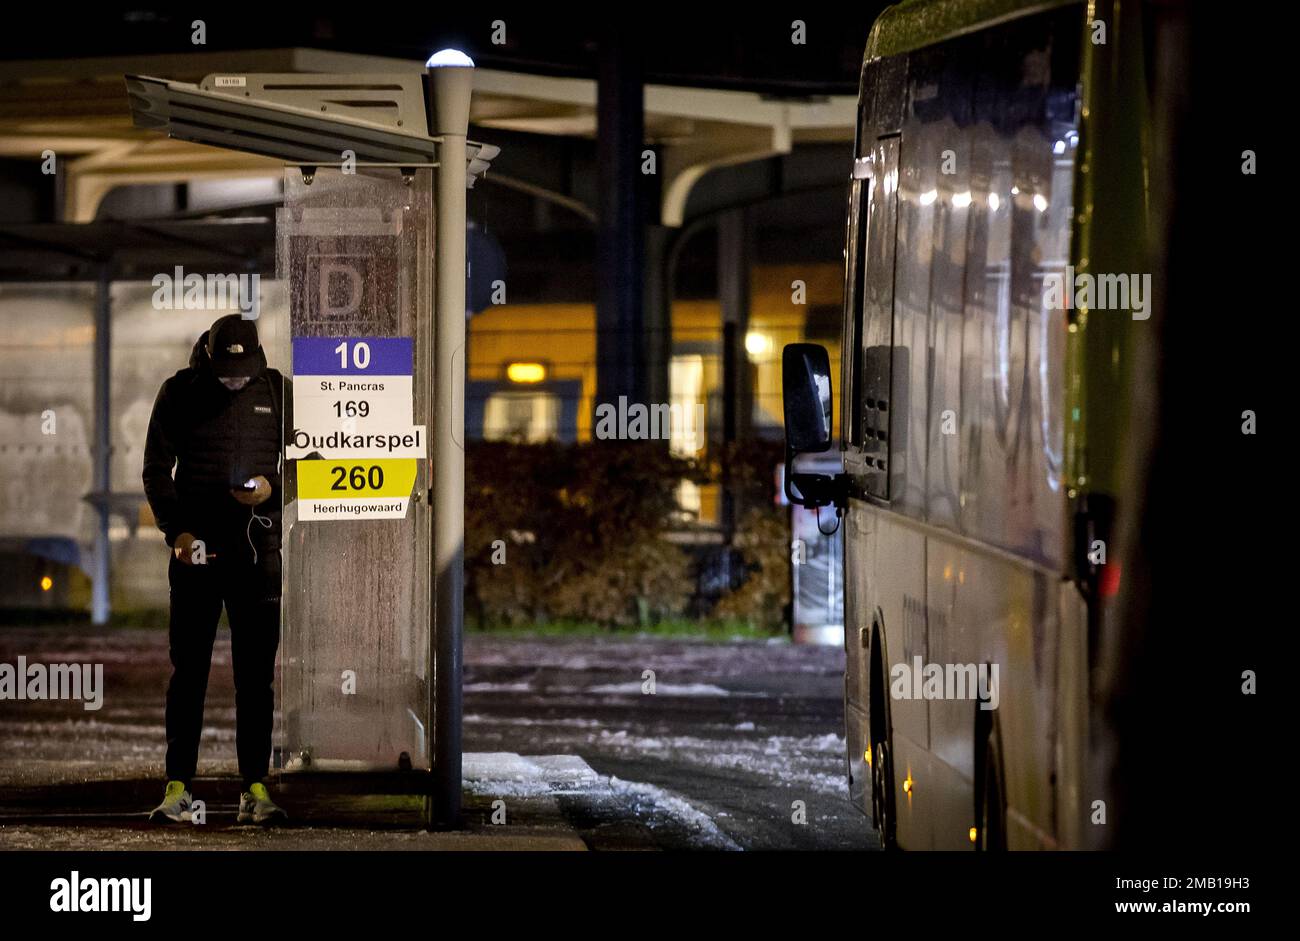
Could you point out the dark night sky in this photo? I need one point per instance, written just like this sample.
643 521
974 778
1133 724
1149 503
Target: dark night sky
717 49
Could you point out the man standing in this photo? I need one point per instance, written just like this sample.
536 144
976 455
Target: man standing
219 422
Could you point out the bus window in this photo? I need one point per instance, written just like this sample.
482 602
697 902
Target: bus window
851 365
874 395
947 284
1012 385
934 198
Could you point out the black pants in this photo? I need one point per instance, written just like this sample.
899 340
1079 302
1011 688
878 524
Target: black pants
251 595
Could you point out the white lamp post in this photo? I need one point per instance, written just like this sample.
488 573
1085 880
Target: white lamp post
450 84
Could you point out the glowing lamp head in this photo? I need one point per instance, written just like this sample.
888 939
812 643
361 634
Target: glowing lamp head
449 57
526 373
46 583
757 344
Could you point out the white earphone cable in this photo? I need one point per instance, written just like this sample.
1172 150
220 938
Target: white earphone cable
265 522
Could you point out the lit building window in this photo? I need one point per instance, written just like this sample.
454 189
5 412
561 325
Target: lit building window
521 416
686 388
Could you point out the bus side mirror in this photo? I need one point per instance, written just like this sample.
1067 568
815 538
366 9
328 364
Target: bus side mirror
806 391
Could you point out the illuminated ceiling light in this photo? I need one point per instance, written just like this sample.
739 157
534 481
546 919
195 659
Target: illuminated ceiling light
961 200
1040 202
994 202
929 196
46 583
757 343
1015 191
1058 147
449 57
526 372
974 832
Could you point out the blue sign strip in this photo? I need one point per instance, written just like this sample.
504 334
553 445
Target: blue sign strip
353 356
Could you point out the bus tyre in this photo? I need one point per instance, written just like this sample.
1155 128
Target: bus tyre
882 795
992 833
884 808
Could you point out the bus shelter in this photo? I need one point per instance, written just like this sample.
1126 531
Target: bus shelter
371 242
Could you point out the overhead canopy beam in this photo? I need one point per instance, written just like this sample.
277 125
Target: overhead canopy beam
290 116
694 130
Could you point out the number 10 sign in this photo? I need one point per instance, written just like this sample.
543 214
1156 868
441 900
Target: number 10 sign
352 437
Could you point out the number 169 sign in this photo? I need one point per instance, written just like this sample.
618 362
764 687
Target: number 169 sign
352 437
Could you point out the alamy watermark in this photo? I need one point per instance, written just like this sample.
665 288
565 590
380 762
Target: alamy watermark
1131 292
640 422
88 894
181 291
946 681
84 681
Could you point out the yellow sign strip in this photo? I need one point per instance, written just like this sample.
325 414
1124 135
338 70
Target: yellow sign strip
350 479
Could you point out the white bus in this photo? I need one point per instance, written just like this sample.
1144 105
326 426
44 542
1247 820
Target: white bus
995 276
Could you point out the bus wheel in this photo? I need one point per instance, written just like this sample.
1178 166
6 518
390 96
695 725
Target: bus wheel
992 834
882 795
884 809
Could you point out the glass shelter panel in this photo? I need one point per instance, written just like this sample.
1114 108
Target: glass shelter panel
356 252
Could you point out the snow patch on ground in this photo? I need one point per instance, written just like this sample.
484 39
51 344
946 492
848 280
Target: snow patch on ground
815 763
498 687
563 723
749 660
649 801
500 775
829 742
634 688
505 774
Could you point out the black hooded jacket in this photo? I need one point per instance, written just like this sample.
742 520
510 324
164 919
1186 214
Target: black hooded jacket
217 439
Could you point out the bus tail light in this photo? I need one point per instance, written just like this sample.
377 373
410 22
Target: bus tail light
1110 575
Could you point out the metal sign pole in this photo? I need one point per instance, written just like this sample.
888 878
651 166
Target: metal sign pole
450 83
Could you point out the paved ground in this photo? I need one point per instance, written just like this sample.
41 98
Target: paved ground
733 736
738 744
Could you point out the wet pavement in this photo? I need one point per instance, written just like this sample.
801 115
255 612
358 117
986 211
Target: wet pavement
740 746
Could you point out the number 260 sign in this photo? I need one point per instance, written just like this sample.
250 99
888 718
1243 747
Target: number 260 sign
353 437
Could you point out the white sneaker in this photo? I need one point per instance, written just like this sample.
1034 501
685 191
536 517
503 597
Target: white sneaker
175 807
256 806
